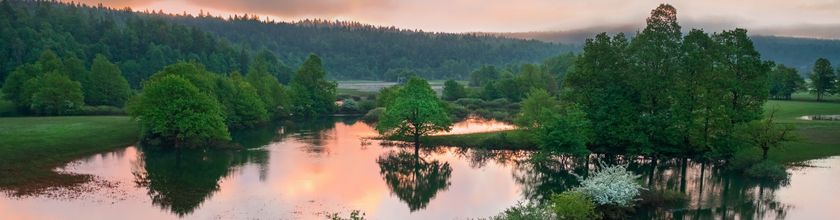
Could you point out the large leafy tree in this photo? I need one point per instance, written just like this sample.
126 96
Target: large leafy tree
274 95
600 85
784 81
54 94
240 101
312 94
823 81
484 75
415 112
655 56
745 76
452 90
557 129
697 92
413 179
105 85
172 108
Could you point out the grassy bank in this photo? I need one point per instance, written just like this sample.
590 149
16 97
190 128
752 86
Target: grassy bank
817 139
30 147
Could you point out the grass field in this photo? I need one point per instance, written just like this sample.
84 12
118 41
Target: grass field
817 139
30 147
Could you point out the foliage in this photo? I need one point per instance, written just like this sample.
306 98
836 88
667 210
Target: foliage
784 81
174 109
660 198
105 84
766 134
54 94
525 211
349 106
572 205
374 114
416 112
274 96
767 170
823 80
387 96
452 90
611 185
744 158
240 101
666 93
557 129
483 76
312 94
537 104
412 179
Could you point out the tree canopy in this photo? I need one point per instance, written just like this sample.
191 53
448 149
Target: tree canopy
415 112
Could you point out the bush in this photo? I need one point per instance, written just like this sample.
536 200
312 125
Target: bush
7 108
457 111
744 159
498 103
572 205
611 185
373 115
767 170
349 106
366 105
525 211
100 110
470 103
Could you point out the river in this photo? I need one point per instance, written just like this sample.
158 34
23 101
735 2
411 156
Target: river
307 170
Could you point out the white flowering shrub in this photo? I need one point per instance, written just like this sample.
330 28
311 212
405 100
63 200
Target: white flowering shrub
611 185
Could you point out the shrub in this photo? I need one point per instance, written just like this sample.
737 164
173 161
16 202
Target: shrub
498 103
100 110
525 211
349 106
611 185
366 105
572 205
767 170
744 159
470 102
373 115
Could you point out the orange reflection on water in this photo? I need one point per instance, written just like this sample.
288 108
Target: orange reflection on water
478 125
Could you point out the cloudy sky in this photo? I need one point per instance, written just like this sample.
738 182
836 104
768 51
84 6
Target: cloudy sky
814 18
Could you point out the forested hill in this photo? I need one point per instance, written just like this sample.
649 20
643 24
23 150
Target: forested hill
143 42
357 51
799 53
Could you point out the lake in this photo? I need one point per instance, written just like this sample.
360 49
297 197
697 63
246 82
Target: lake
307 170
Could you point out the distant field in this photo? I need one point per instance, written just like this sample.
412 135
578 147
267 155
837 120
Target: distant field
30 147
355 87
817 139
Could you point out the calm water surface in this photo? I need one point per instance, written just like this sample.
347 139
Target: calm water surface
304 170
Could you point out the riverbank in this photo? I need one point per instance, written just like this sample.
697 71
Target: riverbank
817 139
31 147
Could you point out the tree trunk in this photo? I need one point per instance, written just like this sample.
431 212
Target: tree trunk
765 149
416 144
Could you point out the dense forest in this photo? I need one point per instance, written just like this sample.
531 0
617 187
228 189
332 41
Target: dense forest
141 43
794 52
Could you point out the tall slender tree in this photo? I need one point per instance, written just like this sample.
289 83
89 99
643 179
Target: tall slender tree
823 81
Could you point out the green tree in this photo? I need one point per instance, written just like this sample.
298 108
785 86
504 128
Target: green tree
823 81
484 75
55 94
240 101
557 129
387 95
745 76
415 112
767 134
312 94
452 90
784 81
274 95
655 56
532 76
174 109
600 85
573 205
105 85
14 86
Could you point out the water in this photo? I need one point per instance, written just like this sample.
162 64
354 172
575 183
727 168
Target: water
305 170
820 117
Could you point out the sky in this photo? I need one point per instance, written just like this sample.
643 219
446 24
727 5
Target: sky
806 18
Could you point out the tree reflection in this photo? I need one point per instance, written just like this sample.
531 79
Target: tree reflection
180 180
413 179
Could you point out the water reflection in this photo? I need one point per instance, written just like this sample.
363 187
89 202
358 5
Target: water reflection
413 179
180 180
299 170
